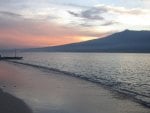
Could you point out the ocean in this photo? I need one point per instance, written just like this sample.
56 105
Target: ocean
127 73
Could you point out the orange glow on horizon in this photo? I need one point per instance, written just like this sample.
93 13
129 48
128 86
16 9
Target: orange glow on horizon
45 41
14 37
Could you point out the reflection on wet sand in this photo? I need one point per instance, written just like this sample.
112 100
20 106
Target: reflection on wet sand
47 91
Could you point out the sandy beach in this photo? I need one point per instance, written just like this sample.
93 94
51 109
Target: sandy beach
47 91
11 104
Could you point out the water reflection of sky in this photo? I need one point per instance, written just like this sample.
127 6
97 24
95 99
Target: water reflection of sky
54 92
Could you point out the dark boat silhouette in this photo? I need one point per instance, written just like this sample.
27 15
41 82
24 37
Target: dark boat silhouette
11 58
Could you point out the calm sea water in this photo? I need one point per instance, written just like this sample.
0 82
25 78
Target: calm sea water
127 73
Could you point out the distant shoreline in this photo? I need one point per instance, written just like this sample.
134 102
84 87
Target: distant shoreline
87 52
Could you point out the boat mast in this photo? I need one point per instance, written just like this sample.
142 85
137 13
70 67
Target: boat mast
15 53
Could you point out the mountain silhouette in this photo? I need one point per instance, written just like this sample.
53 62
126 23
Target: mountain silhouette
125 41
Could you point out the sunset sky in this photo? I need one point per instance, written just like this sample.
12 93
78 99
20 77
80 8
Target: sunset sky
40 23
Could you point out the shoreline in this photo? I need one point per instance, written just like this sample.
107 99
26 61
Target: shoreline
107 87
47 91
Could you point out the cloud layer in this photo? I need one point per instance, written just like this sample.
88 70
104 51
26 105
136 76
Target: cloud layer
30 23
15 28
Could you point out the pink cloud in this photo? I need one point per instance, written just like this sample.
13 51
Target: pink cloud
20 32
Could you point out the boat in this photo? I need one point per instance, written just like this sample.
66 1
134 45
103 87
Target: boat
11 58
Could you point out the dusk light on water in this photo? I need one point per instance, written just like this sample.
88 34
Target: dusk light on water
74 56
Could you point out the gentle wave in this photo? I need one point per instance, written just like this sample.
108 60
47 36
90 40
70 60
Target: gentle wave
140 98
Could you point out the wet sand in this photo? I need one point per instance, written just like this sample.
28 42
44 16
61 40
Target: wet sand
52 92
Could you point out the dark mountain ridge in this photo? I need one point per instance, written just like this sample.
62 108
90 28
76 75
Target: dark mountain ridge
125 41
